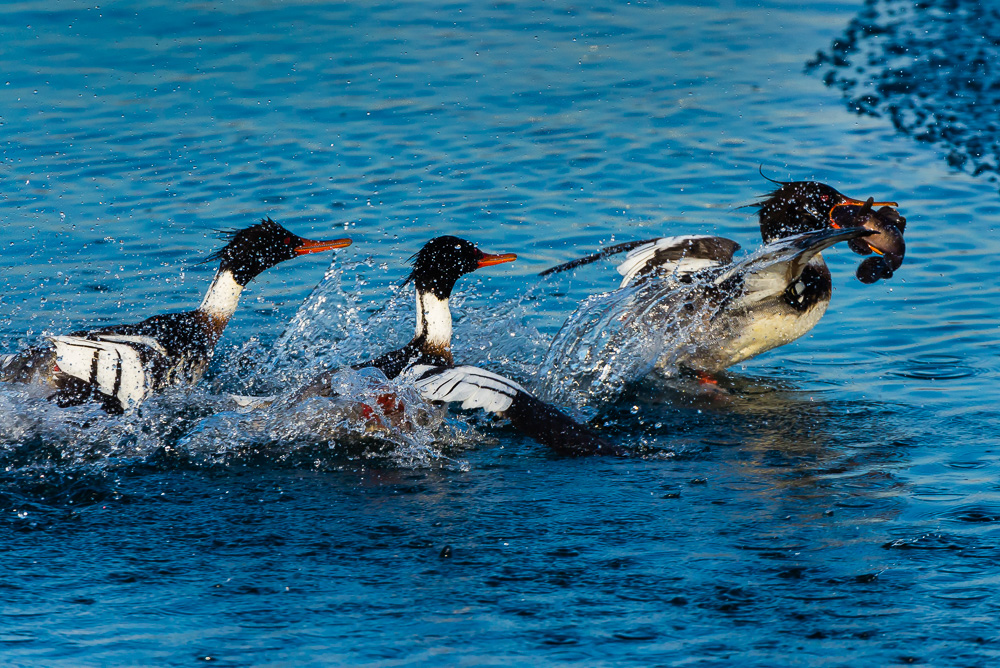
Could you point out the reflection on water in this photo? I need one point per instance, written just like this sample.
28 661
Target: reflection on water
796 440
834 498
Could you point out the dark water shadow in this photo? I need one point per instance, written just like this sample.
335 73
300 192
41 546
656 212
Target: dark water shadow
931 68
777 433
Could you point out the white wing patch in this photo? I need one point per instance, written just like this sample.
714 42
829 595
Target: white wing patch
143 340
474 387
674 256
772 269
764 285
115 368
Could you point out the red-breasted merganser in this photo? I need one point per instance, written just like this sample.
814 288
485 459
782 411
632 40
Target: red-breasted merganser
427 360
120 366
732 311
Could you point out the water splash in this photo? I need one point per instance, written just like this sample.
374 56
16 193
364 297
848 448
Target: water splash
504 337
202 426
618 337
337 325
367 417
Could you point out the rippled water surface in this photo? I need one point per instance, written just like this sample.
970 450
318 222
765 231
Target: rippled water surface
834 502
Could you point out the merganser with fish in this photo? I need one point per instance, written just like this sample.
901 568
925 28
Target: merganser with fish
122 365
722 311
427 363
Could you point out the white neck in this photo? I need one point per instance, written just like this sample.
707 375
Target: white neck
222 297
433 319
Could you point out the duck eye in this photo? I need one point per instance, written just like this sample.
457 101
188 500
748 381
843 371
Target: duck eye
288 241
824 197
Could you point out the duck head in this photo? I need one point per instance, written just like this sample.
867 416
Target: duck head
253 249
803 206
443 260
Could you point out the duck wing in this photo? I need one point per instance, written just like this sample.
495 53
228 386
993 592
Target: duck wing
121 367
479 388
779 264
676 256
683 254
594 257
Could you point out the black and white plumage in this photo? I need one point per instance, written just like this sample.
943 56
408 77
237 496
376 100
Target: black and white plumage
469 385
676 257
120 366
426 361
477 388
437 266
721 312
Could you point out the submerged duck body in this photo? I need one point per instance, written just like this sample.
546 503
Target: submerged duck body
713 312
437 267
120 366
427 363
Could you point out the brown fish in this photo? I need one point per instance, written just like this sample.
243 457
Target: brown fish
887 243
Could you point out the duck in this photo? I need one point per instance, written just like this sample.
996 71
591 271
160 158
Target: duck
427 362
714 311
118 367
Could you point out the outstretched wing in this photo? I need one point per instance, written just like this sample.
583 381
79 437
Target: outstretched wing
677 256
594 257
479 388
664 255
116 366
780 263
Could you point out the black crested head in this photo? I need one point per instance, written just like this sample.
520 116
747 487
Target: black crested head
797 207
443 260
253 249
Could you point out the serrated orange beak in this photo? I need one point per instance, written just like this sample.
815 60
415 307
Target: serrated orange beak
310 246
488 260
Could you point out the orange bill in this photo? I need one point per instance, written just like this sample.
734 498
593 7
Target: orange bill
488 260
310 246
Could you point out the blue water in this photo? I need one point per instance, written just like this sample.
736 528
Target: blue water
835 504
929 68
